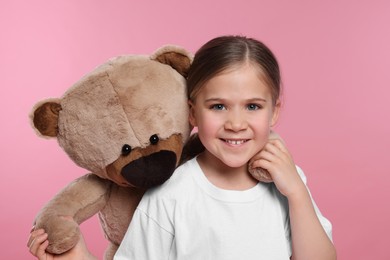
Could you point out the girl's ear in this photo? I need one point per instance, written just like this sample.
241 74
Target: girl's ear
275 114
191 116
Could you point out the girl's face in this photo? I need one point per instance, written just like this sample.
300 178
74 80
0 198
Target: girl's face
234 113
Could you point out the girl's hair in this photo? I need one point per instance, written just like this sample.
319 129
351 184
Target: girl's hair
223 53
226 52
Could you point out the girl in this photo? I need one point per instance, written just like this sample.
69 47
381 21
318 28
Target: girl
211 207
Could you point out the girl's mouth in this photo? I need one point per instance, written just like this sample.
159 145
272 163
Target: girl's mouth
235 142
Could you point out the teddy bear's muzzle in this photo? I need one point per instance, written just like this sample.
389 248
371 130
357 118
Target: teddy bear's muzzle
152 170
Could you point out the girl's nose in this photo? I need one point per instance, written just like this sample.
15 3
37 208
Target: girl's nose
236 121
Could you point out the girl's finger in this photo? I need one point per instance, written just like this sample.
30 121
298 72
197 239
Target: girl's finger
279 149
267 155
271 148
36 243
41 251
33 235
262 163
279 144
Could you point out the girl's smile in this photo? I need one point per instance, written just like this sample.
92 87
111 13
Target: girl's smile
235 142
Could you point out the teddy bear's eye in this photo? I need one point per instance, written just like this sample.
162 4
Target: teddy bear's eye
154 139
126 149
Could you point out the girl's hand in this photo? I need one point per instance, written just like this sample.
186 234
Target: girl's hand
277 161
307 234
38 243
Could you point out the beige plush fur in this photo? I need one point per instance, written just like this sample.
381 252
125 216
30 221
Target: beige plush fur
108 123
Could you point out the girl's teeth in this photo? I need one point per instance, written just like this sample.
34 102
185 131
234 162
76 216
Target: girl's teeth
235 142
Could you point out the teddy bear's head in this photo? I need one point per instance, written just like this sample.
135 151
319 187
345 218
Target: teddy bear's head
127 120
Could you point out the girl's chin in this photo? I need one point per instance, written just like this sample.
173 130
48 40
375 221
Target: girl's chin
235 164
230 161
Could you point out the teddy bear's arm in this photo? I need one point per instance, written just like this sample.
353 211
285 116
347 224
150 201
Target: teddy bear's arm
78 201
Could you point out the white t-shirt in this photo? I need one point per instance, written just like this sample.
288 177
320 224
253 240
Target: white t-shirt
189 218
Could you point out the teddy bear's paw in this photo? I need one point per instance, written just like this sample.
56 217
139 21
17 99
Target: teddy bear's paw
63 233
260 174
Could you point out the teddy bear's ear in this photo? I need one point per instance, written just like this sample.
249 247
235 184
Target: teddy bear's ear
44 117
174 56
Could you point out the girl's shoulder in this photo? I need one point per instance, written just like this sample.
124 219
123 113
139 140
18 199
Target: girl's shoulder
180 181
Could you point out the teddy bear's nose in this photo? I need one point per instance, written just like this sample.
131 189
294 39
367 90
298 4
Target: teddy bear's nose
152 170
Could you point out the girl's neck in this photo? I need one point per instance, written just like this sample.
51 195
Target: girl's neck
223 176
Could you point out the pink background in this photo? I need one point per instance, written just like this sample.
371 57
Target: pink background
335 60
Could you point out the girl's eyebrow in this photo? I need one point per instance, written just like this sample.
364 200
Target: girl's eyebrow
248 100
214 99
257 100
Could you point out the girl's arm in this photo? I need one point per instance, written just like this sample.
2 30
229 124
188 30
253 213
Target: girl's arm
309 239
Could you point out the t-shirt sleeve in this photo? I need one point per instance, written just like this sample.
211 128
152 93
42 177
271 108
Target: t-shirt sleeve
144 239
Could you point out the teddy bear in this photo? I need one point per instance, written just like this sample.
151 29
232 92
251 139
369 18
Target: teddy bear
126 123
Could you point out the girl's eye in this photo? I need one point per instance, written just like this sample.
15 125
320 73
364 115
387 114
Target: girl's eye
253 107
218 107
